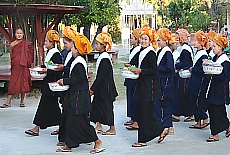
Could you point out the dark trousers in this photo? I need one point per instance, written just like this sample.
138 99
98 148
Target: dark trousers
129 95
163 112
198 107
62 128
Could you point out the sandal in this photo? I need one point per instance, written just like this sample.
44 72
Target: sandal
97 150
175 119
5 106
31 133
128 122
227 133
55 132
60 144
195 127
21 105
212 139
162 137
98 131
204 125
131 128
63 150
139 145
109 133
188 119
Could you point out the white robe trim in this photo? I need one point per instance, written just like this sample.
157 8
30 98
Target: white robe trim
81 60
143 54
212 54
176 55
50 54
188 48
162 53
198 55
68 57
220 60
134 52
103 55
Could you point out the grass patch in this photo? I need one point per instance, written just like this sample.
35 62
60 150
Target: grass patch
35 92
119 80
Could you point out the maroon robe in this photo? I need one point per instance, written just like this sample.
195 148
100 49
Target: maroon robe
22 56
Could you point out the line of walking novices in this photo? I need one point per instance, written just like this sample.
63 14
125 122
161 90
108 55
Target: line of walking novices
168 83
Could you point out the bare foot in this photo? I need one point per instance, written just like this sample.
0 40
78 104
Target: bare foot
98 127
97 144
171 131
163 135
135 125
97 147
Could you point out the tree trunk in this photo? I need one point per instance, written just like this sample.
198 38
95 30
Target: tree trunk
99 30
86 31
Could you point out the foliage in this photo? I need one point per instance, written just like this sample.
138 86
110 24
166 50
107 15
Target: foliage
96 11
191 14
188 14
115 31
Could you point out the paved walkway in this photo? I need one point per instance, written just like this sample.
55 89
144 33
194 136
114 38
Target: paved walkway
15 120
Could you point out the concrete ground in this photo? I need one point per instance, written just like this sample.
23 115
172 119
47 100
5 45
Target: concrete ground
15 120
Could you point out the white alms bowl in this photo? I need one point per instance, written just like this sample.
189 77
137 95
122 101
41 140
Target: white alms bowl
129 74
213 69
54 86
34 72
52 67
185 74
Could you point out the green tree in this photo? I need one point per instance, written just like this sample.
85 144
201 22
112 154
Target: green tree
100 13
115 31
188 14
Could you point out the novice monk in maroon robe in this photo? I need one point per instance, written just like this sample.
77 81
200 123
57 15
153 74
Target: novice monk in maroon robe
22 56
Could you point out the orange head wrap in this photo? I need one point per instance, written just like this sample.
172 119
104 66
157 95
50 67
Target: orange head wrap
53 36
202 39
221 40
69 32
164 34
105 39
152 34
211 35
137 33
183 35
82 44
173 39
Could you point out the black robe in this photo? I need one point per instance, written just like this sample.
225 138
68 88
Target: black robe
147 91
48 111
104 94
77 105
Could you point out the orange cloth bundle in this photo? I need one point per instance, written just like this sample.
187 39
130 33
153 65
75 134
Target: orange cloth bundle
221 40
105 39
211 35
173 39
53 36
151 33
202 39
183 35
82 44
137 33
164 34
69 32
